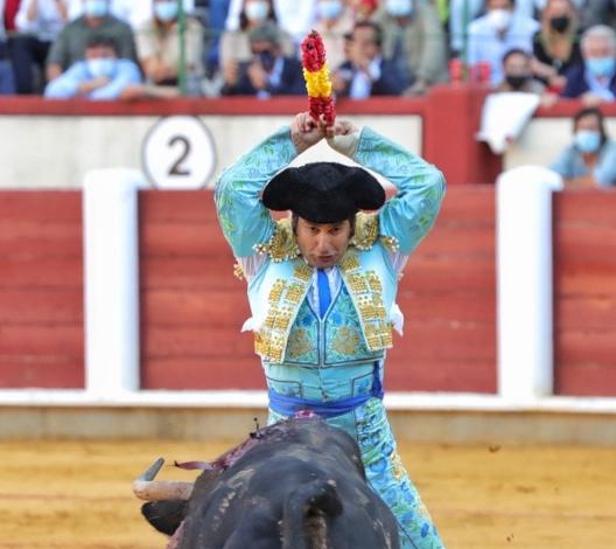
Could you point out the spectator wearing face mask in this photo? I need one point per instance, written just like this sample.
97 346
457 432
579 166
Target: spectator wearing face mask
366 73
269 72
294 17
118 8
133 12
413 40
158 47
497 32
556 46
594 80
334 21
518 76
235 44
591 159
99 76
69 47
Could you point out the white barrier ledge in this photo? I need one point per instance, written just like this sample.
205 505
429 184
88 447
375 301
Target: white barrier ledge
395 401
524 282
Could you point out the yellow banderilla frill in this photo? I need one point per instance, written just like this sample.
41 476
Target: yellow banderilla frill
318 83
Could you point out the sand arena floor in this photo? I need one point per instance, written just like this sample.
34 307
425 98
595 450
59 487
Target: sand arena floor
77 494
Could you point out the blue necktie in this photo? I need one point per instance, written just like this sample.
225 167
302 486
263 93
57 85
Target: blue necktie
324 293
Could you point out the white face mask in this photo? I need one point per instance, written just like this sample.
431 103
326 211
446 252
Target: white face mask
257 11
166 11
587 141
96 8
399 8
499 19
329 9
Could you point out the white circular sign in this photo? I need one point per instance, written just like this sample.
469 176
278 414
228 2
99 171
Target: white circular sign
178 153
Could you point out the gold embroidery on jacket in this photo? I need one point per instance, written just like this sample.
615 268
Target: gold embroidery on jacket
283 301
346 341
238 271
281 246
299 343
286 296
391 243
366 230
366 291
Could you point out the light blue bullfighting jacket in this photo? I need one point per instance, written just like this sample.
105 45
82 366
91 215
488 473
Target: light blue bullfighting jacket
333 364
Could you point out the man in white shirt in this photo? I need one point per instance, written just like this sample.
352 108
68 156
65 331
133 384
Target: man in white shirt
494 34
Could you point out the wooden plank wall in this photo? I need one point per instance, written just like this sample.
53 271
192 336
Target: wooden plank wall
192 307
448 295
585 292
41 290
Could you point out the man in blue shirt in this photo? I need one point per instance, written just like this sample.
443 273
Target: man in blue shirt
591 158
594 81
100 76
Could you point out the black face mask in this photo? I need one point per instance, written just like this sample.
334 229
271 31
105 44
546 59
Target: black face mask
560 23
516 81
267 59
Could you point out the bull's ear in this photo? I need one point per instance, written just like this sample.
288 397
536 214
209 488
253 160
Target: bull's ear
166 516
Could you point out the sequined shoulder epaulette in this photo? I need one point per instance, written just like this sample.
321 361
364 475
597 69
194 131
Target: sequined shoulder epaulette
281 246
366 231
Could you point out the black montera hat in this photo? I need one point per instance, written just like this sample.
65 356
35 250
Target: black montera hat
324 192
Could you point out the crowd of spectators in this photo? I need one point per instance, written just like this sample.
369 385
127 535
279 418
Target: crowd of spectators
375 47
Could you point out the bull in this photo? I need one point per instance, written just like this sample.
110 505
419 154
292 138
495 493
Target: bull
297 484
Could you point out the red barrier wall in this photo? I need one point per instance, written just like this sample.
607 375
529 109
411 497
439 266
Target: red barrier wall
41 303
585 292
448 296
193 307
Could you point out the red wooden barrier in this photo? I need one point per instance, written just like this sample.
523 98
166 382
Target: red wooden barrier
41 290
585 292
193 307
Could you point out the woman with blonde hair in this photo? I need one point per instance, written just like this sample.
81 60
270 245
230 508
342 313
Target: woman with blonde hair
556 46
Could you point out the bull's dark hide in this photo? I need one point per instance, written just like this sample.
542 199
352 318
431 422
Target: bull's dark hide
298 484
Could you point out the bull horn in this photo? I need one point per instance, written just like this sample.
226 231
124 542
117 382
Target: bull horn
146 488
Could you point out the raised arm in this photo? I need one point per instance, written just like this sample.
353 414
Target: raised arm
408 216
243 218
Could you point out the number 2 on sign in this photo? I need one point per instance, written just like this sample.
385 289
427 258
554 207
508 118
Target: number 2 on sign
177 168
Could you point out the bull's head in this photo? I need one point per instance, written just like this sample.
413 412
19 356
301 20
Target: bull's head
146 488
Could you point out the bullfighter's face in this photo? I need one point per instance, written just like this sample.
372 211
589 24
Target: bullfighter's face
323 244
